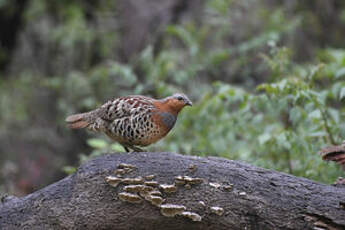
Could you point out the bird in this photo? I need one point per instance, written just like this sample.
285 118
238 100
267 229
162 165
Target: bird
133 121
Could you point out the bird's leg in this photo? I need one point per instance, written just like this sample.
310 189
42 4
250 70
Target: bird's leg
136 149
132 147
126 148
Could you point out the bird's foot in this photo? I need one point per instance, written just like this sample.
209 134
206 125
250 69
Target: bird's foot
134 148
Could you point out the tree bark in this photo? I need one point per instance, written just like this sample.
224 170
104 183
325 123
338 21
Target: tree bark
251 197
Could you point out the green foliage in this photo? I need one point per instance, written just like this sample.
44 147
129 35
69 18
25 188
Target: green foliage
254 100
281 125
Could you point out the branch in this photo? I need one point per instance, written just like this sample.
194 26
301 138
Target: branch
224 194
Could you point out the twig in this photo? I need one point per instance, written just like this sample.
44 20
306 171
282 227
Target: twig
328 130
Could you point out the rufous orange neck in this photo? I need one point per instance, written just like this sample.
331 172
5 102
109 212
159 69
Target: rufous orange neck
168 106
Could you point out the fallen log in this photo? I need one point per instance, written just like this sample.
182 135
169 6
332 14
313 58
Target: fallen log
171 191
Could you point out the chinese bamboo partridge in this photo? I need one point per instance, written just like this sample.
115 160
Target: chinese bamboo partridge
134 120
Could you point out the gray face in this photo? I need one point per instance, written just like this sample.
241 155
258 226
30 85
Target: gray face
181 96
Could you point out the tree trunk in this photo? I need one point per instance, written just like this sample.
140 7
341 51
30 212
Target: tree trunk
251 197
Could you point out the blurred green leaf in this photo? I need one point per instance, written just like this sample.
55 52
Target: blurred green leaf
342 93
69 170
263 138
340 73
116 147
97 143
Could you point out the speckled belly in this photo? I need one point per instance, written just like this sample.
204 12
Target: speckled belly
140 130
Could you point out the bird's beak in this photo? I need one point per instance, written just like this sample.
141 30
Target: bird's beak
189 103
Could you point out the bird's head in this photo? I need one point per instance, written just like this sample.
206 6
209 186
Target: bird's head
176 102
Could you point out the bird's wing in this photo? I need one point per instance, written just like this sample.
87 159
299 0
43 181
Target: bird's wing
125 107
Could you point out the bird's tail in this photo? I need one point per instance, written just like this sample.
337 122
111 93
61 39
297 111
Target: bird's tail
78 121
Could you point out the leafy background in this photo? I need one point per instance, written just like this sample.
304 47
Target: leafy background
266 78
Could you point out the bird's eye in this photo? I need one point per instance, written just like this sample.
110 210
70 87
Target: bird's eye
179 98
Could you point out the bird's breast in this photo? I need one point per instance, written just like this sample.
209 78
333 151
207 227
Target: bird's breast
161 124
142 129
167 120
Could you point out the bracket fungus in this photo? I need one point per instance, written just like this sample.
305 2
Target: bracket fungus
188 181
214 185
193 180
217 210
228 187
150 177
137 188
202 203
136 180
151 183
191 215
181 180
124 165
130 197
155 193
154 200
171 210
113 181
120 172
123 171
168 188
